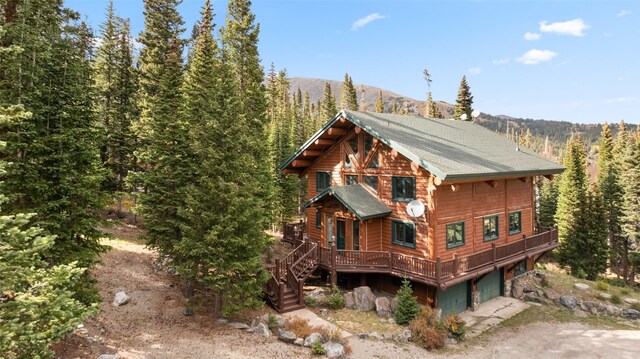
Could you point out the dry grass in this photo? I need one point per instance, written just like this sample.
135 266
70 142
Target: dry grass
302 329
357 322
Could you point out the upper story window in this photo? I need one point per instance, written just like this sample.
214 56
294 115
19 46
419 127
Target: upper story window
375 162
354 146
351 179
490 228
368 145
515 222
347 162
371 181
403 233
455 235
323 181
403 189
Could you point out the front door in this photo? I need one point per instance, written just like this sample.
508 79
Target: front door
340 234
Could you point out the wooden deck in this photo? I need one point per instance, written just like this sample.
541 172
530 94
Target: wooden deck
290 272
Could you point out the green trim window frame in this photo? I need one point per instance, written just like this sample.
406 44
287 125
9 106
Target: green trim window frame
323 181
350 179
490 228
403 233
403 189
515 222
455 235
371 181
318 219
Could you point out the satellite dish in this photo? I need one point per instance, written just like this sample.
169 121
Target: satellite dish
415 208
463 117
475 113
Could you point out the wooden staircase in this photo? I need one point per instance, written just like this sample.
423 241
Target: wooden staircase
285 287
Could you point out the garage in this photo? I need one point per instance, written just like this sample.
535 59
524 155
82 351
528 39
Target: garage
490 286
454 300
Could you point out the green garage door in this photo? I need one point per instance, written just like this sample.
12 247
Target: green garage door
490 286
454 300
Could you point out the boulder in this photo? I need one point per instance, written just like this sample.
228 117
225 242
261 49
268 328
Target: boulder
517 288
375 336
286 336
222 321
383 307
568 301
394 304
333 350
613 310
533 297
580 313
387 336
364 299
120 299
298 341
630 301
631 314
362 336
349 300
403 337
592 307
312 338
262 330
317 294
581 286
604 296
238 325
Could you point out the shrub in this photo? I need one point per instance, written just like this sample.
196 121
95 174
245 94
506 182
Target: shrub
299 326
456 326
407 305
635 306
544 282
624 291
317 349
603 286
335 300
427 331
272 323
615 299
310 301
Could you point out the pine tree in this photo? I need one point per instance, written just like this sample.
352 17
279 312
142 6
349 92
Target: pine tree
55 168
464 101
548 203
407 307
349 97
328 104
608 181
380 103
572 212
430 108
117 85
631 207
164 146
595 251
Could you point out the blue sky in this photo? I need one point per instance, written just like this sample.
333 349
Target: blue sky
558 60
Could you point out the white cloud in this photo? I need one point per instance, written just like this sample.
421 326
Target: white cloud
475 70
573 27
624 13
366 20
535 56
622 99
532 36
504 61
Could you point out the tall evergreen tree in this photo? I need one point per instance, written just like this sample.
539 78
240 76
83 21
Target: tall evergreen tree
464 101
608 181
116 82
620 153
55 167
631 206
430 108
349 96
328 104
164 146
380 103
547 203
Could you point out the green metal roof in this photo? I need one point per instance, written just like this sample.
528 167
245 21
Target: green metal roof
357 199
452 150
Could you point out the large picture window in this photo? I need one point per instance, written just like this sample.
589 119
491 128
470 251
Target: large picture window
403 188
455 235
490 228
515 222
351 179
403 233
371 181
323 181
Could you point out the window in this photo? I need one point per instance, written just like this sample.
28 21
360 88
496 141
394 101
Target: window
347 162
356 235
515 222
318 219
354 146
371 181
520 268
323 181
368 145
490 228
403 233
455 235
351 179
403 188
374 161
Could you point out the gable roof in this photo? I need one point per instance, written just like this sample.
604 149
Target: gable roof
357 199
449 149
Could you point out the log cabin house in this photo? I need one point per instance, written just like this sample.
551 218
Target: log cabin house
362 170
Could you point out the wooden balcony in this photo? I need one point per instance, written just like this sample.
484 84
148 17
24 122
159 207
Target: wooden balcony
440 273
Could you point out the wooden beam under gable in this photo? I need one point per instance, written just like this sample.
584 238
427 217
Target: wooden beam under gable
324 142
291 171
301 163
333 131
455 187
311 153
492 183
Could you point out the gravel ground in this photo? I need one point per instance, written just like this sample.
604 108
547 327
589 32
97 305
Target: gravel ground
152 325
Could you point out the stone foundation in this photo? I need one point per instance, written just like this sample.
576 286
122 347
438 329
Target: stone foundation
475 300
507 287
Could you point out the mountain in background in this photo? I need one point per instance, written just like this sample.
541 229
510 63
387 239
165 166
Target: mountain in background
544 136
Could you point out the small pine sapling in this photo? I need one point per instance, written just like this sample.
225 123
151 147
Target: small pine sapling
407 308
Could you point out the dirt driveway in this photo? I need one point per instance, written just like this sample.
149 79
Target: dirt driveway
152 326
